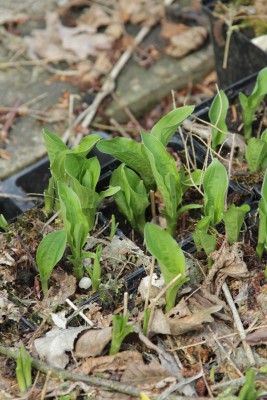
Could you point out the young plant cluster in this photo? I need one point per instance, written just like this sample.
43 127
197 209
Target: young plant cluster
148 167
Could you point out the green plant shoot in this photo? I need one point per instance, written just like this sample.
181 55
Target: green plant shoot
24 370
133 154
251 103
215 185
3 222
217 115
262 234
147 312
57 152
84 175
167 179
248 390
120 330
95 272
233 220
75 224
49 252
256 152
165 128
114 227
202 238
132 199
170 258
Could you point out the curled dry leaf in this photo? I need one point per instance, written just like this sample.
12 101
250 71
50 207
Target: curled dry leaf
94 17
58 42
145 376
117 362
257 337
177 326
187 41
92 342
53 346
142 11
169 29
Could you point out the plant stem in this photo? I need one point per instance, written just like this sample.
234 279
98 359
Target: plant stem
105 384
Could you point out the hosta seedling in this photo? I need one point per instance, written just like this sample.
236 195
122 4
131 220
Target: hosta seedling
120 330
262 235
217 115
132 199
169 256
256 152
24 370
250 104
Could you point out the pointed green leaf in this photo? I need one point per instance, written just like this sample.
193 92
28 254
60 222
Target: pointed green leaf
167 125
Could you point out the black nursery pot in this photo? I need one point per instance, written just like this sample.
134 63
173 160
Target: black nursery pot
244 58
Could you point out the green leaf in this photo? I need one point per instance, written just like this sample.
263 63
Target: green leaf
166 177
256 153
262 234
131 153
170 258
167 125
120 330
194 178
75 223
251 103
132 199
233 219
215 185
217 115
3 222
95 272
49 252
204 240
54 145
86 144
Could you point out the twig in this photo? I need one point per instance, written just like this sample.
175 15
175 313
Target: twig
128 112
17 197
152 267
125 303
89 322
119 128
105 384
238 324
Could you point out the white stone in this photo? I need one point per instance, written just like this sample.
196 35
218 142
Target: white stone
85 283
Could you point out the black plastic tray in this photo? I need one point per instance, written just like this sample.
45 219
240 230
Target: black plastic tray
244 58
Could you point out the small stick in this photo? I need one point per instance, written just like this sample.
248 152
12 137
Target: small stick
238 324
119 128
80 312
60 373
43 393
125 303
152 267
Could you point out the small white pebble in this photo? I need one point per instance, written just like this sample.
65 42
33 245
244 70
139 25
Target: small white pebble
85 283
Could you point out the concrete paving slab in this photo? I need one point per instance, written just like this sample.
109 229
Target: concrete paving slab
137 88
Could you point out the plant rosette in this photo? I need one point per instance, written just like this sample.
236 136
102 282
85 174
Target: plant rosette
235 125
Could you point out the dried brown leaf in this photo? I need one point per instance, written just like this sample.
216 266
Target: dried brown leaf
169 29
259 336
178 326
58 42
143 11
144 376
160 323
181 310
94 17
92 342
53 346
118 362
187 41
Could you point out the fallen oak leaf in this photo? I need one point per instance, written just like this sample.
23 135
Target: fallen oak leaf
92 342
117 362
